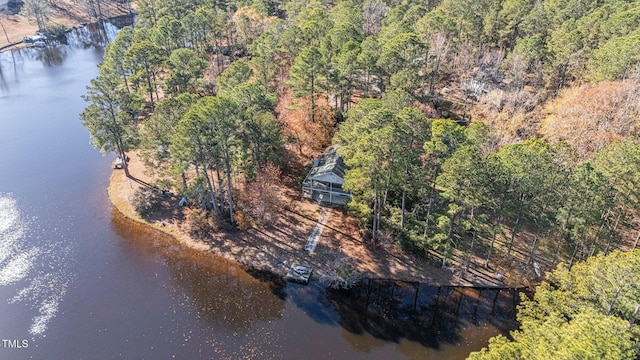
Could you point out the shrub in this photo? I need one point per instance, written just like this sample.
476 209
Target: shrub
259 201
342 274
146 200
243 220
58 32
196 220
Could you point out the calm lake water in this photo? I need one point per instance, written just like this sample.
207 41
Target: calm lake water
78 281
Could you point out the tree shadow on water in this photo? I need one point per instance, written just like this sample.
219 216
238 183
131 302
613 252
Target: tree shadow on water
314 301
393 310
276 283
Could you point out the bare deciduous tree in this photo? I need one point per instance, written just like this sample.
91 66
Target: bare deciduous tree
373 12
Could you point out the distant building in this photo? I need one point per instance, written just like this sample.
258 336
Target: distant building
323 183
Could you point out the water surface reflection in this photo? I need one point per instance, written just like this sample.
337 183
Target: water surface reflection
430 315
219 290
124 291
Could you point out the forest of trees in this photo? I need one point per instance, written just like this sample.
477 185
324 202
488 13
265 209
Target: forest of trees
467 126
588 312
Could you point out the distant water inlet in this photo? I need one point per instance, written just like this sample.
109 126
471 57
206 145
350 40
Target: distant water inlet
36 276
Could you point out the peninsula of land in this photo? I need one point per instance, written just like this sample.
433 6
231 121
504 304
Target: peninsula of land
278 247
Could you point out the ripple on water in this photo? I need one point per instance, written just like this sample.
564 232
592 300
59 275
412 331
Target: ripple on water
17 266
47 283
15 262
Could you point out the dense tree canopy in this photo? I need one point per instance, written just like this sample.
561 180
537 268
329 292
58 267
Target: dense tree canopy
469 127
587 312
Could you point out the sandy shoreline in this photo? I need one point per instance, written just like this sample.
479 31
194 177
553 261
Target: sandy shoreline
277 248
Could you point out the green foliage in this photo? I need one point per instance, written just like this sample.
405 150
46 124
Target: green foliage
426 181
305 75
581 313
185 71
265 69
615 59
143 58
160 127
37 10
620 162
380 142
168 34
107 118
58 32
237 73
146 200
405 51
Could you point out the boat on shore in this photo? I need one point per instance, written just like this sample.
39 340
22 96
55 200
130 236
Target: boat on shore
34 39
299 273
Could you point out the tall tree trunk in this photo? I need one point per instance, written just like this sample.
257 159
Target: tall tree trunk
573 256
125 165
218 54
146 68
366 85
229 192
632 320
212 190
184 181
498 221
406 172
564 231
534 246
386 188
473 241
448 243
635 243
373 225
313 99
426 220
404 197
99 10
515 226
493 241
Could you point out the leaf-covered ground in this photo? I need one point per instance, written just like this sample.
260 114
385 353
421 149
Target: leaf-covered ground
277 247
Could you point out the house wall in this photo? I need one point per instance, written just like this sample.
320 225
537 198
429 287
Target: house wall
325 193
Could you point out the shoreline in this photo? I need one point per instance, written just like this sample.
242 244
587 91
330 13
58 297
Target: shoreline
276 249
124 208
66 13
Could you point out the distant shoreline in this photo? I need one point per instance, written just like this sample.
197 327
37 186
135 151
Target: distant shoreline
16 27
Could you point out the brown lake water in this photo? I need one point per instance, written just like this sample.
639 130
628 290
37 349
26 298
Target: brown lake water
79 281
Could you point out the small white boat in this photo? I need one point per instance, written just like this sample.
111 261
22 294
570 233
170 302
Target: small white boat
119 163
34 39
299 273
